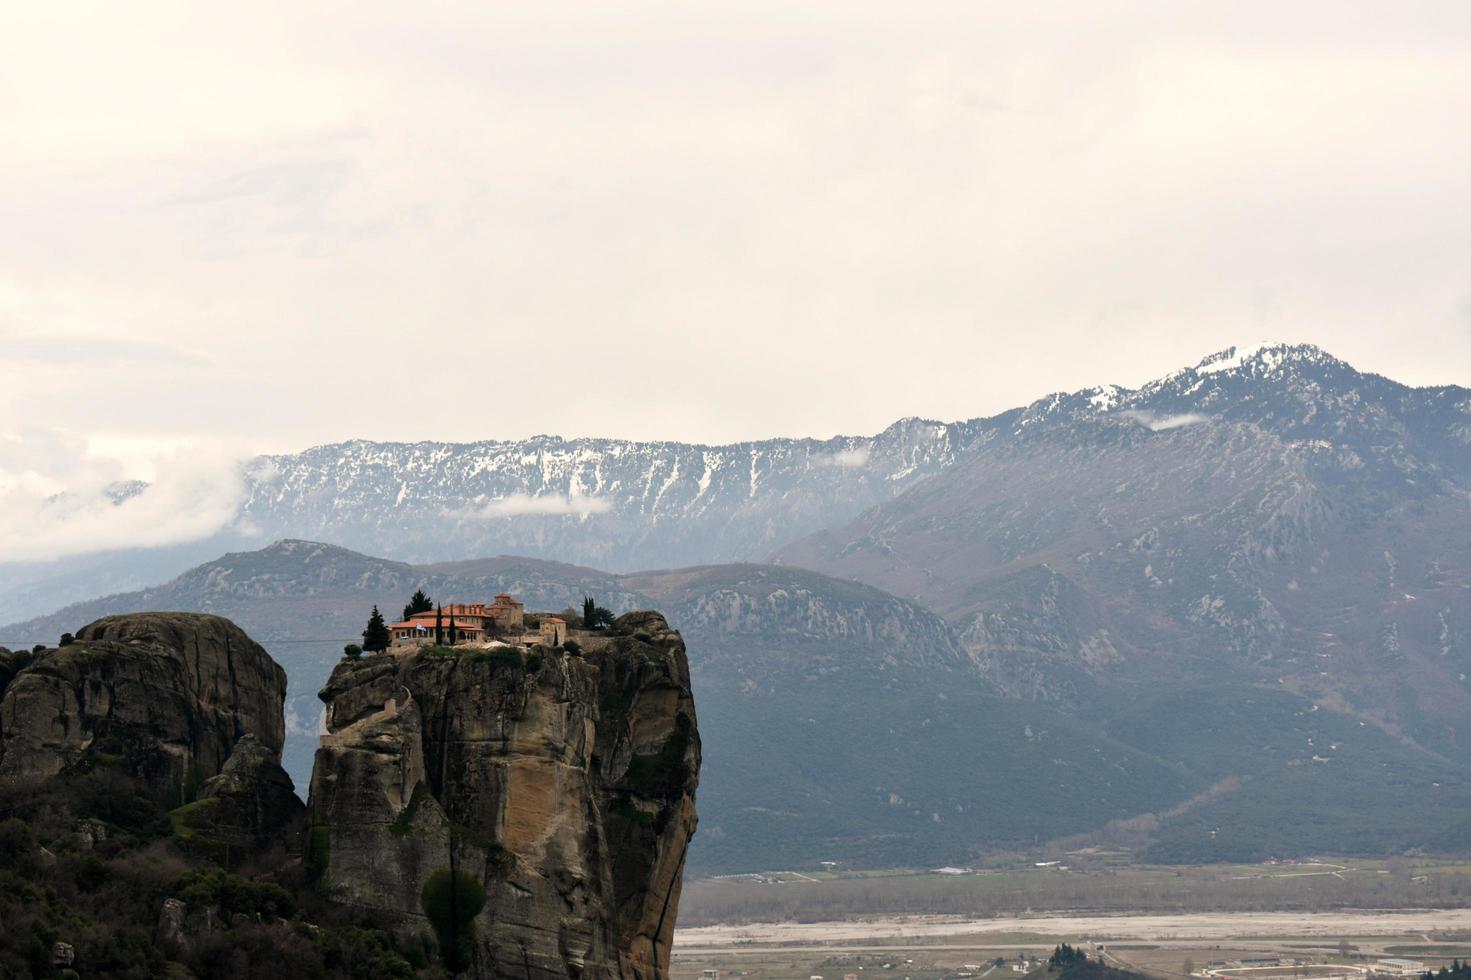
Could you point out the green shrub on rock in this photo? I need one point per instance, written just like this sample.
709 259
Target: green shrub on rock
451 900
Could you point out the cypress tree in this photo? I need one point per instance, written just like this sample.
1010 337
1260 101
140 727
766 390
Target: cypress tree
439 626
589 611
375 637
452 636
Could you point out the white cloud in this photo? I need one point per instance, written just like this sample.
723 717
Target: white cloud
746 218
847 459
55 502
1163 423
523 504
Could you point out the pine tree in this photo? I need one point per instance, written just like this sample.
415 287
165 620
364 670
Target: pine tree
418 603
375 637
439 626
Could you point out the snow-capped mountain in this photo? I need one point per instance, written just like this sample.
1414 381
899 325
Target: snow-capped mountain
1373 430
626 505
1269 514
612 503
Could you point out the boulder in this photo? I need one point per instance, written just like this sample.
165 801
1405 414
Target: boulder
249 806
162 697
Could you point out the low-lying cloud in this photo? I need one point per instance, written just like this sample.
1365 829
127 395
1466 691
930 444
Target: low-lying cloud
525 504
1163 423
847 459
57 501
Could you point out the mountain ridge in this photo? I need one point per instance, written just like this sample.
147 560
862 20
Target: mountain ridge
844 723
627 505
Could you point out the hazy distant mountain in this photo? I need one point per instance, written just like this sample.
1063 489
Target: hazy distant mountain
840 723
843 723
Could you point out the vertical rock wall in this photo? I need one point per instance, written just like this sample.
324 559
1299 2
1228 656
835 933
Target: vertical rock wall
562 783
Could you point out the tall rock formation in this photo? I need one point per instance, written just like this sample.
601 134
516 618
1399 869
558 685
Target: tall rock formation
162 697
532 808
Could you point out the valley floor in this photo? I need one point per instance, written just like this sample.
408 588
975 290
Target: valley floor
969 940
1160 945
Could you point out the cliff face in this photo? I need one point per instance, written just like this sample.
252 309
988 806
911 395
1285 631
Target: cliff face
163 696
533 809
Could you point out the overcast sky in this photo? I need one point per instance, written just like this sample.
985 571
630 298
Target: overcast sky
264 226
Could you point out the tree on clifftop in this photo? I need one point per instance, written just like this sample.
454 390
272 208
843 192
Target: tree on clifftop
418 603
595 616
375 637
439 626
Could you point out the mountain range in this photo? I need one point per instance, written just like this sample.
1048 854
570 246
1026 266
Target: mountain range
1221 616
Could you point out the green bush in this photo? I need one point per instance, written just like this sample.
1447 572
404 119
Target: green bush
507 658
318 851
451 901
358 952
17 843
232 894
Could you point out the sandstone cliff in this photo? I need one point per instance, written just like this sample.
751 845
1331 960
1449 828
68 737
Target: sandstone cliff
162 697
531 808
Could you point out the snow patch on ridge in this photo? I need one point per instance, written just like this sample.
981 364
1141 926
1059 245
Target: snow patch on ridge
1234 357
1105 398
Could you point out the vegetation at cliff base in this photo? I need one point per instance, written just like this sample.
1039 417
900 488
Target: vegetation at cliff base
88 862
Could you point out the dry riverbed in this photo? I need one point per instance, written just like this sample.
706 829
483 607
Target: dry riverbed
1192 927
